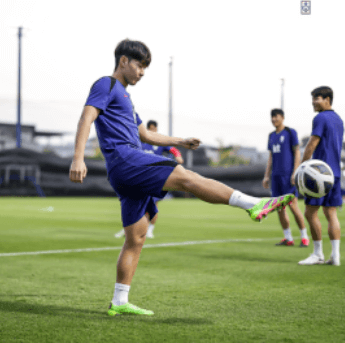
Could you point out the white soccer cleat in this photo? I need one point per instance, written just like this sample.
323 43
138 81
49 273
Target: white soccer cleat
311 260
334 261
120 234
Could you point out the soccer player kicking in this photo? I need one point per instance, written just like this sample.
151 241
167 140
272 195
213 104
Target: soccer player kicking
283 161
137 176
325 144
158 150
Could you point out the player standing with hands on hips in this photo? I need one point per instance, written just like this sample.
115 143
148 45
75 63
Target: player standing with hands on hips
284 159
137 176
325 144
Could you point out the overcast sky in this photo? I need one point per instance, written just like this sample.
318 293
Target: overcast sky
228 59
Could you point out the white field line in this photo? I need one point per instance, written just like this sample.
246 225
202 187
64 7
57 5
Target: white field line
161 245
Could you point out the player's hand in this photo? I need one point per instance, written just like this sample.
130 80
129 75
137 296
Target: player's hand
191 143
266 182
77 171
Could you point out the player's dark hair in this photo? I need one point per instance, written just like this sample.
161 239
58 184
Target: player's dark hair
277 111
133 50
324 92
151 122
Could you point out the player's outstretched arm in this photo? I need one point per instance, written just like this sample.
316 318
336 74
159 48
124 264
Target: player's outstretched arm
78 168
155 138
310 148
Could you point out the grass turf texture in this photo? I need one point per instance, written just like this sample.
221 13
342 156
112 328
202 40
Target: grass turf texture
224 292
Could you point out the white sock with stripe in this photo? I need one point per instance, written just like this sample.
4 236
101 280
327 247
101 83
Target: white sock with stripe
304 233
120 294
335 248
150 229
239 199
287 234
318 248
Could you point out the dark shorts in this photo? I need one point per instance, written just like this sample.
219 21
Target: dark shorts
136 178
332 199
281 184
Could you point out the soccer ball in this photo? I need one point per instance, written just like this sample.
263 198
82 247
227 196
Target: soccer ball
314 178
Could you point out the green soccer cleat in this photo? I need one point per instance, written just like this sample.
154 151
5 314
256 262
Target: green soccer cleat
127 309
268 205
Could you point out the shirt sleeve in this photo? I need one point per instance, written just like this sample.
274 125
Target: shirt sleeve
319 124
139 121
294 138
99 94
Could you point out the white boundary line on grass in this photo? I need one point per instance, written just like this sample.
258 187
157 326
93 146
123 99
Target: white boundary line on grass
160 245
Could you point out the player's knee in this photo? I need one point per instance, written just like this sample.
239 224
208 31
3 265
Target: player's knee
330 213
188 180
181 179
135 240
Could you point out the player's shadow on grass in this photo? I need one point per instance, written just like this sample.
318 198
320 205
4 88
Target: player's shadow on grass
161 321
53 310
185 321
46 310
246 257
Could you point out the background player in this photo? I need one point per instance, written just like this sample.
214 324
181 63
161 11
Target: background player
284 158
137 176
325 144
158 150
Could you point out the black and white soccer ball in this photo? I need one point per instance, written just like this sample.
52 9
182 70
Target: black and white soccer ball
314 179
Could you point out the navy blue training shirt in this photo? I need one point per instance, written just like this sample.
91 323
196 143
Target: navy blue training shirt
280 144
330 128
117 123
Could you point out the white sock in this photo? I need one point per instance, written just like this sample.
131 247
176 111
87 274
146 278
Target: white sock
304 233
242 200
120 294
151 228
287 234
318 248
335 247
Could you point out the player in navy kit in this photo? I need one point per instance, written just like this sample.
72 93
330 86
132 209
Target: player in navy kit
284 158
137 176
158 150
325 144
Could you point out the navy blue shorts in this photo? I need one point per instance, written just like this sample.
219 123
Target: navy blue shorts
281 184
136 178
332 199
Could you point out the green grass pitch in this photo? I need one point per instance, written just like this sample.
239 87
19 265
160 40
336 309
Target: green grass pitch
235 291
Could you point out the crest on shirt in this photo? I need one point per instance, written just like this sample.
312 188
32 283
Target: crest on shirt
282 139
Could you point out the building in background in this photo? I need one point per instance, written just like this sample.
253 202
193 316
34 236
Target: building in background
41 141
29 137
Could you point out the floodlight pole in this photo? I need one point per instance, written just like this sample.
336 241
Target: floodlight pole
282 94
19 103
170 98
